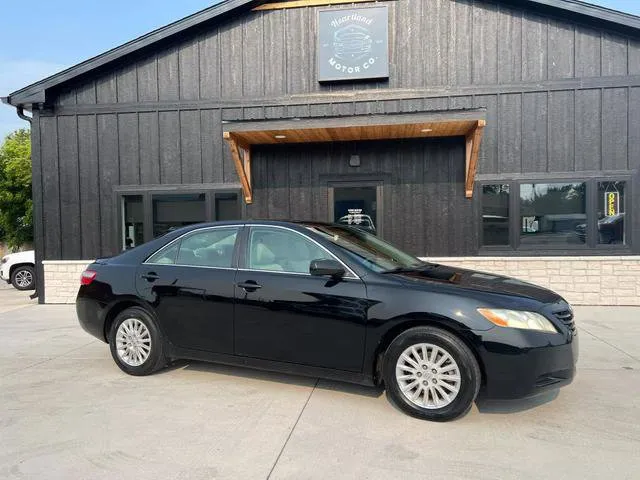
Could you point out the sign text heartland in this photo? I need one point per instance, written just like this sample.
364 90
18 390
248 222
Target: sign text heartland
336 22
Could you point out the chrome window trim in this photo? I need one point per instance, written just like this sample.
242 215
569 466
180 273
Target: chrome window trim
350 273
198 230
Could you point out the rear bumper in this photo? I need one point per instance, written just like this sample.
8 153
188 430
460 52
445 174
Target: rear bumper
527 363
90 316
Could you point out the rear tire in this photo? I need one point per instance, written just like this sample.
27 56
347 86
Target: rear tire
136 344
431 374
23 278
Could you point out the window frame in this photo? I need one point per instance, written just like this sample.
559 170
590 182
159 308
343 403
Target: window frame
178 241
245 252
210 191
497 248
591 245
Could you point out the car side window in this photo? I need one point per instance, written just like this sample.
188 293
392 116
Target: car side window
166 255
280 250
208 248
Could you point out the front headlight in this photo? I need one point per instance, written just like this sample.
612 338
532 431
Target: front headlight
4 260
517 319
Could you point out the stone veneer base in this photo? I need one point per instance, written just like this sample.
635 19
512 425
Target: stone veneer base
610 280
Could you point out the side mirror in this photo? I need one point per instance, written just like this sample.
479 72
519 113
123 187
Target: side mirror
325 267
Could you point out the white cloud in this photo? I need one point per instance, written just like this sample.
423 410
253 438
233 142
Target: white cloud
14 75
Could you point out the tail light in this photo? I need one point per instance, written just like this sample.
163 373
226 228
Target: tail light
87 277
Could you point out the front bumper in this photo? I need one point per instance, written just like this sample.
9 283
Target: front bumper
523 363
4 274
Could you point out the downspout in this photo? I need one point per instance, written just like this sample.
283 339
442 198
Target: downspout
20 112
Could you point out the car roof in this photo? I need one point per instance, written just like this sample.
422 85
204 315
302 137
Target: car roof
296 224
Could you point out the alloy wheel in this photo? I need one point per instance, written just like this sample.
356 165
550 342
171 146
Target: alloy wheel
428 376
133 342
24 278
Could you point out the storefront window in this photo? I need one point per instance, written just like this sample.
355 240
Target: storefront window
174 211
227 206
356 206
553 214
611 213
495 214
132 221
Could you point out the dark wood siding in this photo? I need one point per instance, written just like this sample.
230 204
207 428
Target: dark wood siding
423 185
560 98
433 43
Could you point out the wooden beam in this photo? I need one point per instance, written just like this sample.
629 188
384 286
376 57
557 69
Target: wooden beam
473 140
240 164
246 158
305 3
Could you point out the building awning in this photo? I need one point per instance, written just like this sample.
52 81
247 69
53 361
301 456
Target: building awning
241 136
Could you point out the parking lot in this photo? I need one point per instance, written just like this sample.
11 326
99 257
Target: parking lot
10 298
69 412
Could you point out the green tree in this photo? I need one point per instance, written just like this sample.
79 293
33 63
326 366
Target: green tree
16 207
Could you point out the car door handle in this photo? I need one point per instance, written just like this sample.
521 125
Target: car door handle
150 277
249 286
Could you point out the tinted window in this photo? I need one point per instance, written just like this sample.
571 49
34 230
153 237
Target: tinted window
553 213
132 221
611 213
227 206
281 250
495 214
208 248
174 211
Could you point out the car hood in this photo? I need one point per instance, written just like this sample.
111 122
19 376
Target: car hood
19 257
478 281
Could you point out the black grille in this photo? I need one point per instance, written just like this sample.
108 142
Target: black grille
566 317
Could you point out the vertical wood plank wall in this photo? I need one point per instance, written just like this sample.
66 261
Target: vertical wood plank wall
560 97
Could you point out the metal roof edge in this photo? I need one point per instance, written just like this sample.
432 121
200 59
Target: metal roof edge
35 91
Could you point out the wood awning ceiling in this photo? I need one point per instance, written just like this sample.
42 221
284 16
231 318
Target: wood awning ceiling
242 135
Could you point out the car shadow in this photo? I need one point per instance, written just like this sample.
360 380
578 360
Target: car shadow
267 376
486 405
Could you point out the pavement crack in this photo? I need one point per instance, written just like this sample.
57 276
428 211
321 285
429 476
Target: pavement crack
610 344
292 429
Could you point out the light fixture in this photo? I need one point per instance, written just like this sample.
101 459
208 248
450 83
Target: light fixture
426 130
279 137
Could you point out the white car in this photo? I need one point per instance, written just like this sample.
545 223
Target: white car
19 270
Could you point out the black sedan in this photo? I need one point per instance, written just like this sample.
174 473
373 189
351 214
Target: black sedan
331 301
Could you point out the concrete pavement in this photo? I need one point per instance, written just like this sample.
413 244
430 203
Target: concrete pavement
10 298
69 412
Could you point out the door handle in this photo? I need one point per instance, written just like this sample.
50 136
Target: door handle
249 286
150 277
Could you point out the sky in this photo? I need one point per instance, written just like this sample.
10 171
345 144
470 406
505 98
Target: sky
62 33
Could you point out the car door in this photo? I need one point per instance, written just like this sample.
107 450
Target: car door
190 283
285 314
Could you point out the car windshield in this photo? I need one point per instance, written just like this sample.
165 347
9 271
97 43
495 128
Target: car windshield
367 249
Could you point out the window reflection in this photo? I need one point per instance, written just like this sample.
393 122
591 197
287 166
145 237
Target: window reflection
611 216
495 214
175 211
132 221
227 206
553 213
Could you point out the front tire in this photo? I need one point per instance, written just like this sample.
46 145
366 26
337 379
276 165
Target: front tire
23 278
431 374
136 344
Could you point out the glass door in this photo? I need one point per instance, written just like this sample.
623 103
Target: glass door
356 204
